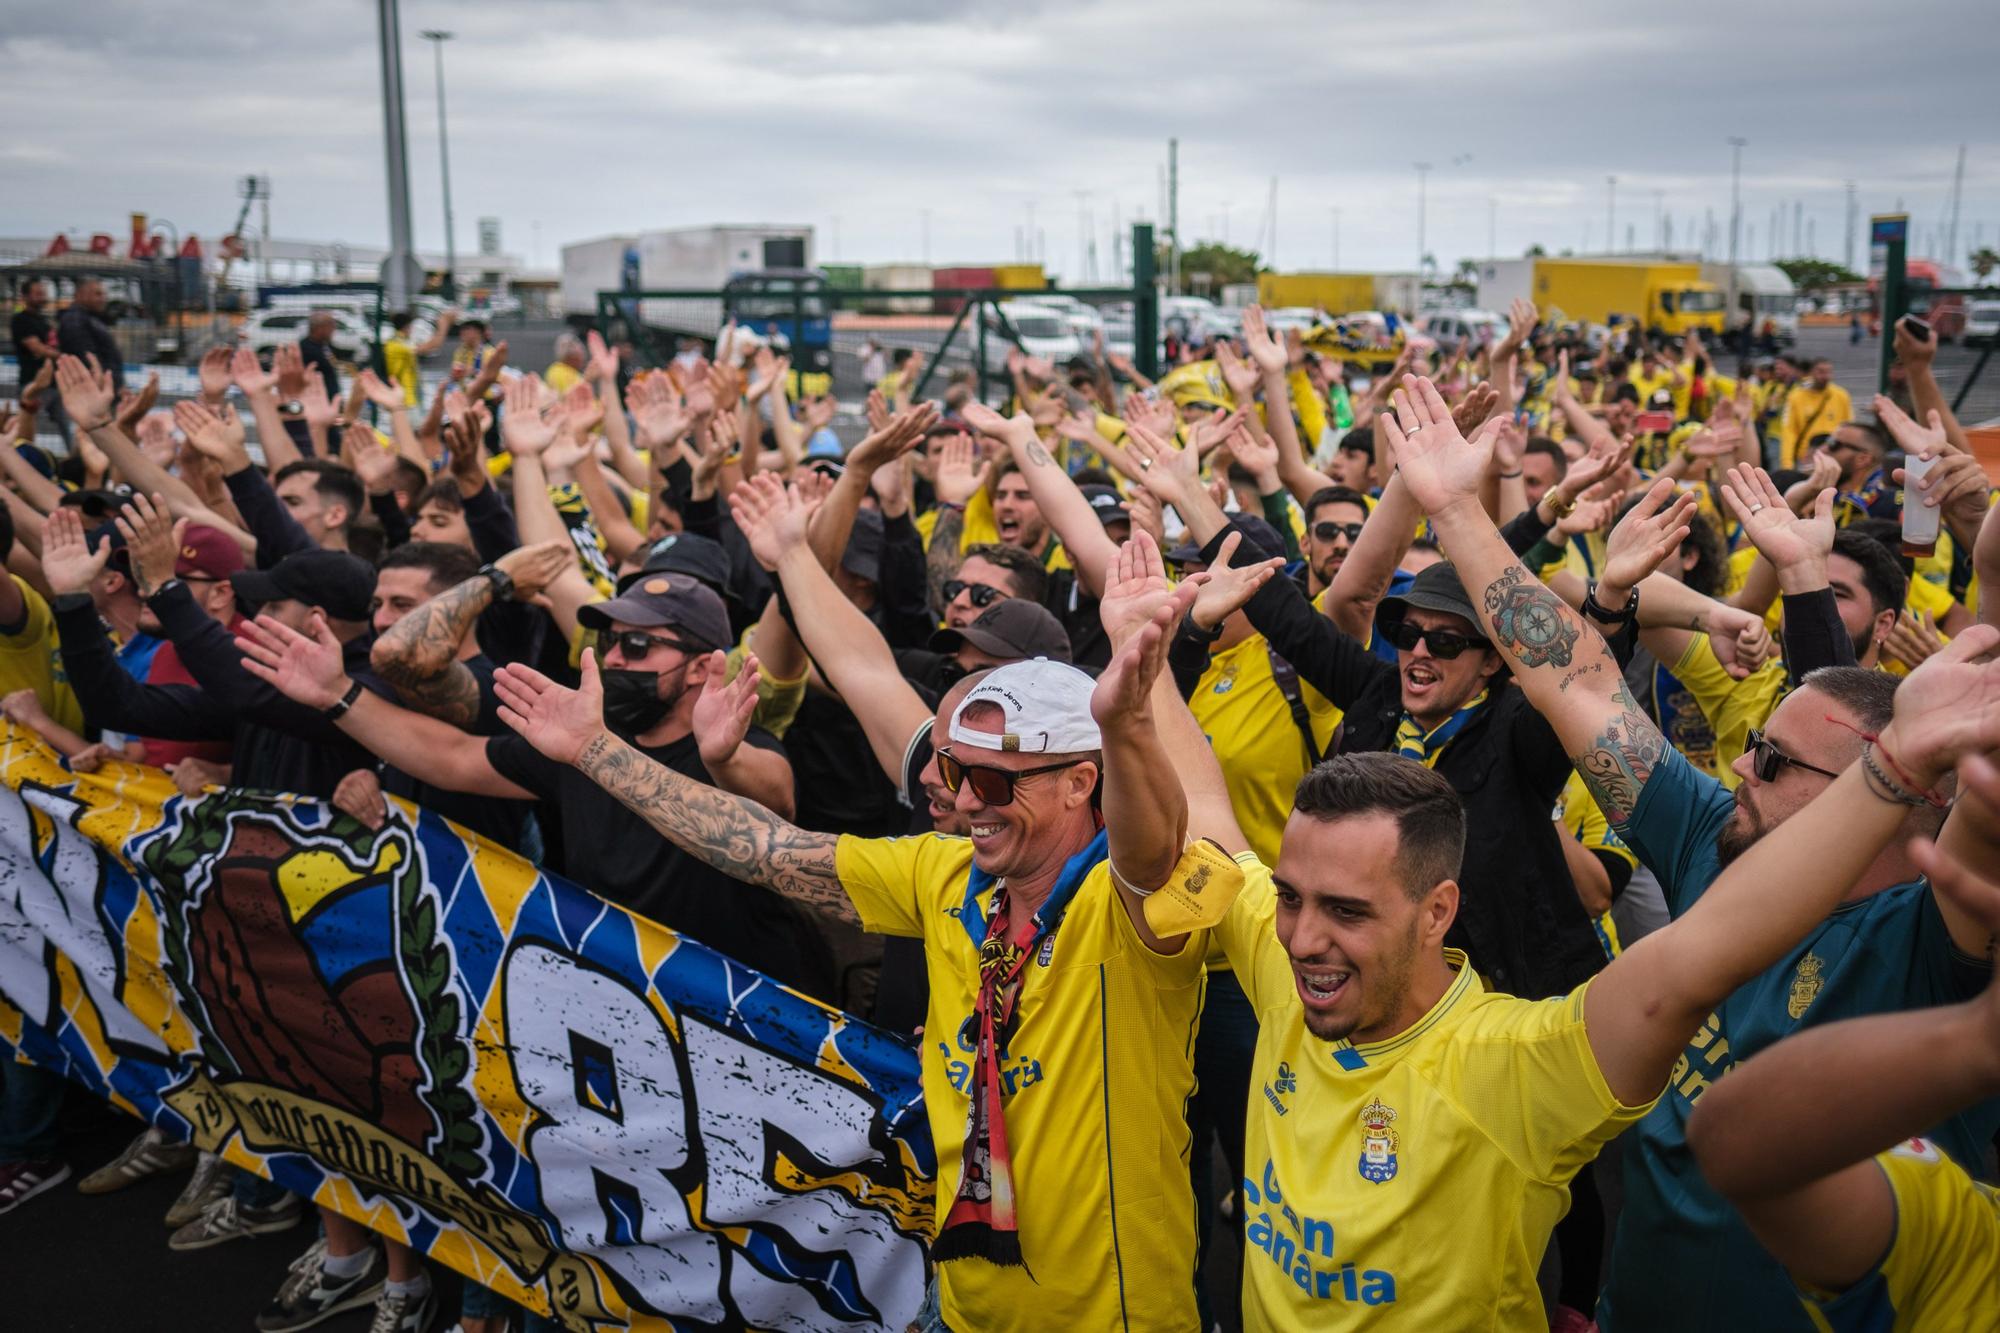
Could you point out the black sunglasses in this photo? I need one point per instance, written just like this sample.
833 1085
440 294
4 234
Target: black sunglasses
983 594
993 786
1766 759
635 644
1444 643
1326 532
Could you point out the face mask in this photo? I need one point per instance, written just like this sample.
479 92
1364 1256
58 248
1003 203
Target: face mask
632 702
951 671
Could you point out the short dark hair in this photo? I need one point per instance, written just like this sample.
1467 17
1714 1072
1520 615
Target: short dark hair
1888 586
443 493
1031 581
1334 495
1876 435
336 484
1429 817
1360 440
448 563
1626 392
899 356
1548 448
1869 695
410 478
400 321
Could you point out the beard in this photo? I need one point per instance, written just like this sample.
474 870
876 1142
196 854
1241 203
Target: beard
1739 833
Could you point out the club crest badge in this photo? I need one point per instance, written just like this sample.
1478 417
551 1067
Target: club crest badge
1378 1143
1805 986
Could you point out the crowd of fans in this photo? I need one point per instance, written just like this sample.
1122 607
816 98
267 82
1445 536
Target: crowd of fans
1564 712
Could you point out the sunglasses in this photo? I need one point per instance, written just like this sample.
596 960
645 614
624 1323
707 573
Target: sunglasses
1326 532
983 594
635 644
1444 643
993 786
1766 759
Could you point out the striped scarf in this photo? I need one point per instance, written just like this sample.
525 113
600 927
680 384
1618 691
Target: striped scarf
1413 742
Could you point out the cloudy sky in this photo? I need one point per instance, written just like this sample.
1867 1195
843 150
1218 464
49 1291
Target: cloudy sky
994 127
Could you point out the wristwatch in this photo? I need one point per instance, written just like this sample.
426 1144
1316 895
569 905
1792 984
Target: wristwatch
339 710
1559 504
1597 611
291 408
502 581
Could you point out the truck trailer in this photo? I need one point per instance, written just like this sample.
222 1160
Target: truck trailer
1663 297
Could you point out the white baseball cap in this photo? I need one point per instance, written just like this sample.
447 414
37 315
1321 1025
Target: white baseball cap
1045 705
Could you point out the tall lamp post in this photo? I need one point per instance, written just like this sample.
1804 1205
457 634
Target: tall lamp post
1423 189
437 38
402 277
1736 147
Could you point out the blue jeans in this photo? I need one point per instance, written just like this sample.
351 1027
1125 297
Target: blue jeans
930 1319
251 1190
479 1302
30 1100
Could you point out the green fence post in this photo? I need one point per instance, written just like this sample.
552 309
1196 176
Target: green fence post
1145 304
1890 233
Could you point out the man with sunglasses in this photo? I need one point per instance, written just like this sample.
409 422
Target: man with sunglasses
659 647
1054 1007
1334 515
1683 1257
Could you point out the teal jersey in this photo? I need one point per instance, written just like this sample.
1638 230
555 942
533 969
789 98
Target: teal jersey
1682 1257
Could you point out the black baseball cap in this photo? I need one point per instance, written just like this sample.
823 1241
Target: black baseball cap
1260 541
1015 629
1436 588
1107 504
341 585
677 601
687 553
863 556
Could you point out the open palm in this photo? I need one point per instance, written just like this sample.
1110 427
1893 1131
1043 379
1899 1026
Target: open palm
558 722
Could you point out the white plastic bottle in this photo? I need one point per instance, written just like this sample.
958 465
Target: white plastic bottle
1920 520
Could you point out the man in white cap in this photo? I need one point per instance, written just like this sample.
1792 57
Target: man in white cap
1057 1041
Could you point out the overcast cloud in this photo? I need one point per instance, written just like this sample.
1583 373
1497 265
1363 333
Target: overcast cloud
574 120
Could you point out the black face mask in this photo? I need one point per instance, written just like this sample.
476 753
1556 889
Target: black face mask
951 671
632 702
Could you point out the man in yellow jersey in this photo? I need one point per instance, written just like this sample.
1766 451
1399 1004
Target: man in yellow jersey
1879 1228
1056 1052
1413 1135
399 354
1814 409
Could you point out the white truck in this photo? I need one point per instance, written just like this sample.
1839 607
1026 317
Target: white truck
691 259
1766 305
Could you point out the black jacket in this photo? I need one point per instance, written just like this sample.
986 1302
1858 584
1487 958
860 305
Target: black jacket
81 334
1519 918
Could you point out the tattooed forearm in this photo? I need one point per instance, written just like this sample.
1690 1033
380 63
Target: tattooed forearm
1621 758
1037 455
426 641
1533 624
941 559
450 697
737 836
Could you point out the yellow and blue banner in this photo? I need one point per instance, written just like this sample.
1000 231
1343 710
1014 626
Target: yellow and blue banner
418 1029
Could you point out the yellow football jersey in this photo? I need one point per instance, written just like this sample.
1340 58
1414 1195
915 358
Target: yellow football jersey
1096 1074
1733 707
1942 1268
1410 1182
1250 727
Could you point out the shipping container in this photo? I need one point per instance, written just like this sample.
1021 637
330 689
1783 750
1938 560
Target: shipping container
1662 297
842 277
1020 277
945 279
897 278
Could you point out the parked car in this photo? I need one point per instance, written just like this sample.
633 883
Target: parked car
1982 322
1083 320
1044 332
1461 328
1300 317
265 329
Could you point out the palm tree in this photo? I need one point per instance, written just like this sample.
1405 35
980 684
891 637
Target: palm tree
1984 261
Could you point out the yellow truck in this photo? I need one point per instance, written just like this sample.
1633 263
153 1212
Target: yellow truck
1335 293
1663 297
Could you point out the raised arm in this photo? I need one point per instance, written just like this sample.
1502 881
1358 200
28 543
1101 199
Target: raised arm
737 836
1642 1009
1926 397
1061 503
1563 665
87 398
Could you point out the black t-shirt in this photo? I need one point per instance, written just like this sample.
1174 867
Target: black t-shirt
617 855
28 324
840 787
500 821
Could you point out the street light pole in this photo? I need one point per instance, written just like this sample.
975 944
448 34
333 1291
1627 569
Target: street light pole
1610 214
1423 182
401 276
1736 147
437 38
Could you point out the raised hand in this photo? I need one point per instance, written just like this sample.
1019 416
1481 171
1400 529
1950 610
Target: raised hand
305 668
1242 377
1590 515
534 568
214 372
722 712
1651 532
1821 473
1258 453
1911 350
374 465
68 563
603 364
132 407
215 436
816 413
1217 427
1123 696
1475 407
960 474
1228 587
1265 350
1741 639
1912 640
772 517
388 397
904 432
1169 473
314 405
1136 587
656 409
1154 414
523 429
1438 464
1947 708
359 797
1926 441
152 541
558 722
1787 540
251 377
289 364
86 392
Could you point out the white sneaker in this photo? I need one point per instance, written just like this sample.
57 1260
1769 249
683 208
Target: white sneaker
147 1155
208 1183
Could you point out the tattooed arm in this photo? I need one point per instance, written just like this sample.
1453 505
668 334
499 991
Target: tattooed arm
941 558
735 835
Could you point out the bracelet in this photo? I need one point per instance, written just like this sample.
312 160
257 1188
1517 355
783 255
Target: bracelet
1596 610
1559 504
339 710
165 584
1509 476
1881 784
1196 632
